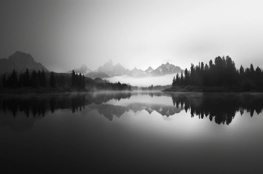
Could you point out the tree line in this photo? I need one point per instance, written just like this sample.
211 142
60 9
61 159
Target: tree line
77 80
27 79
221 73
42 79
99 84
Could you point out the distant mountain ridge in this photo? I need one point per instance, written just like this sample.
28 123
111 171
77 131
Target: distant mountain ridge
110 70
83 69
19 61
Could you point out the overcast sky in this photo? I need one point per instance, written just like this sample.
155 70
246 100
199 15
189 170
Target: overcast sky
66 34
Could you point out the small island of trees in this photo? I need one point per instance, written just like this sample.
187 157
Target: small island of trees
220 75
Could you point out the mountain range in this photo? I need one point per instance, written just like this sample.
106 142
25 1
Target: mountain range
110 70
19 61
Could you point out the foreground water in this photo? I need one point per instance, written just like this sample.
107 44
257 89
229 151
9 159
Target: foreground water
132 133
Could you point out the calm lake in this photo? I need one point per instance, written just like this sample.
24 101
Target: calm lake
132 133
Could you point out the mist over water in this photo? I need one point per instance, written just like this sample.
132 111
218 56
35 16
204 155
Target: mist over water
143 81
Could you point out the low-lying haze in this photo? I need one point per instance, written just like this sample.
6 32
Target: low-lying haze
143 81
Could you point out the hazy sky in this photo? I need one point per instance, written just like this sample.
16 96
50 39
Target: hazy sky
66 34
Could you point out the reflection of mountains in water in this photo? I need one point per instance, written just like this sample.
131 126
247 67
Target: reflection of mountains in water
221 108
109 111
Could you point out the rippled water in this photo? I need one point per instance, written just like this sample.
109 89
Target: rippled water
132 133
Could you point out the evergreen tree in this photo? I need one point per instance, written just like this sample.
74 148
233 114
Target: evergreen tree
186 77
34 80
182 78
52 81
43 80
39 78
21 80
83 82
61 82
174 82
241 70
26 79
73 79
79 81
4 81
13 81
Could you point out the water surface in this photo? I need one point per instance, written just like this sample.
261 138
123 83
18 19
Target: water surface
132 133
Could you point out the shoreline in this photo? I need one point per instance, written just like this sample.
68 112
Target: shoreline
172 89
208 89
29 90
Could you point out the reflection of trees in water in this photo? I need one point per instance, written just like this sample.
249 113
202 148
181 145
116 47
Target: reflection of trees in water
99 98
220 107
39 105
35 107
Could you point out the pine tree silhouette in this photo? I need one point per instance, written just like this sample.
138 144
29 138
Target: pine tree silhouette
52 80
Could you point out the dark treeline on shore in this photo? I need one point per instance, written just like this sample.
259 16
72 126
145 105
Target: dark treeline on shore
26 79
156 88
99 84
50 80
221 73
42 79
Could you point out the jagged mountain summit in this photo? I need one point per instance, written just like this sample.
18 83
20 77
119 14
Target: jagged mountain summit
149 69
166 69
137 72
108 70
111 70
19 61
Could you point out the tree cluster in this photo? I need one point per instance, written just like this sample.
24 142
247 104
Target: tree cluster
221 73
105 85
26 79
77 81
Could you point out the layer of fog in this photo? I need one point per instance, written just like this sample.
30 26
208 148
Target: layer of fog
143 81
